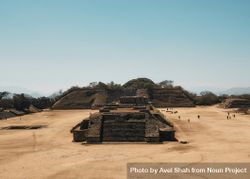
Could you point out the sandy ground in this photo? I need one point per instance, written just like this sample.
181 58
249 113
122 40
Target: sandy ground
50 153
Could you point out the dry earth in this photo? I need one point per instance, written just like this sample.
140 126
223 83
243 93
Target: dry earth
50 153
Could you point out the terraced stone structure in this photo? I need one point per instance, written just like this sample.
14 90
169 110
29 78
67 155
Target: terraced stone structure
170 97
123 124
96 97
237 103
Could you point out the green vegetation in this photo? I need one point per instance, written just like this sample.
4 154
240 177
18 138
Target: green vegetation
23 101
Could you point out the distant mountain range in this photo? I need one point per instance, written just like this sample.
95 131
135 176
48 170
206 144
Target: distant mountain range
236 91
220 91
18 90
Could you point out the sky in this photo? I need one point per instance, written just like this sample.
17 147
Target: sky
47 45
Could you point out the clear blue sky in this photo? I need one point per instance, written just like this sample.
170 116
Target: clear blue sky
46 45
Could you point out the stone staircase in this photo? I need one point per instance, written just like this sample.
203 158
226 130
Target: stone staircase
124 127
118 128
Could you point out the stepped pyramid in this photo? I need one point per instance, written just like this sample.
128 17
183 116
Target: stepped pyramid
125 124
86 98
170 97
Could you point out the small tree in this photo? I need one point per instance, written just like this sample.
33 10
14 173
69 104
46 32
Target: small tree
3 94
102 85
207 98
42 102
20 101
166 83
55 96
93 84
112 85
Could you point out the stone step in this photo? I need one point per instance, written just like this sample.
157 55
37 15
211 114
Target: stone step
121 126
123 130
124 123
124 134
125 139
93 140
124 127
152 139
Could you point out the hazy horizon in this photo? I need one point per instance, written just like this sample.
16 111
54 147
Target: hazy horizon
197 90
51 45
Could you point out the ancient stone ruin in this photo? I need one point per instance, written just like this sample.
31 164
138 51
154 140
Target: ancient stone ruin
237 103
93 98
81 99
132 120
170 97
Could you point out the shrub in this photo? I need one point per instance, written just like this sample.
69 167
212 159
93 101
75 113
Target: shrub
207 98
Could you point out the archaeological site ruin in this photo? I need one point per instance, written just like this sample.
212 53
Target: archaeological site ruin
87 98
236 103
132 120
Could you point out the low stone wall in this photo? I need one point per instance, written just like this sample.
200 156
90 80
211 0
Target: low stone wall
167 135
237 103
80 135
